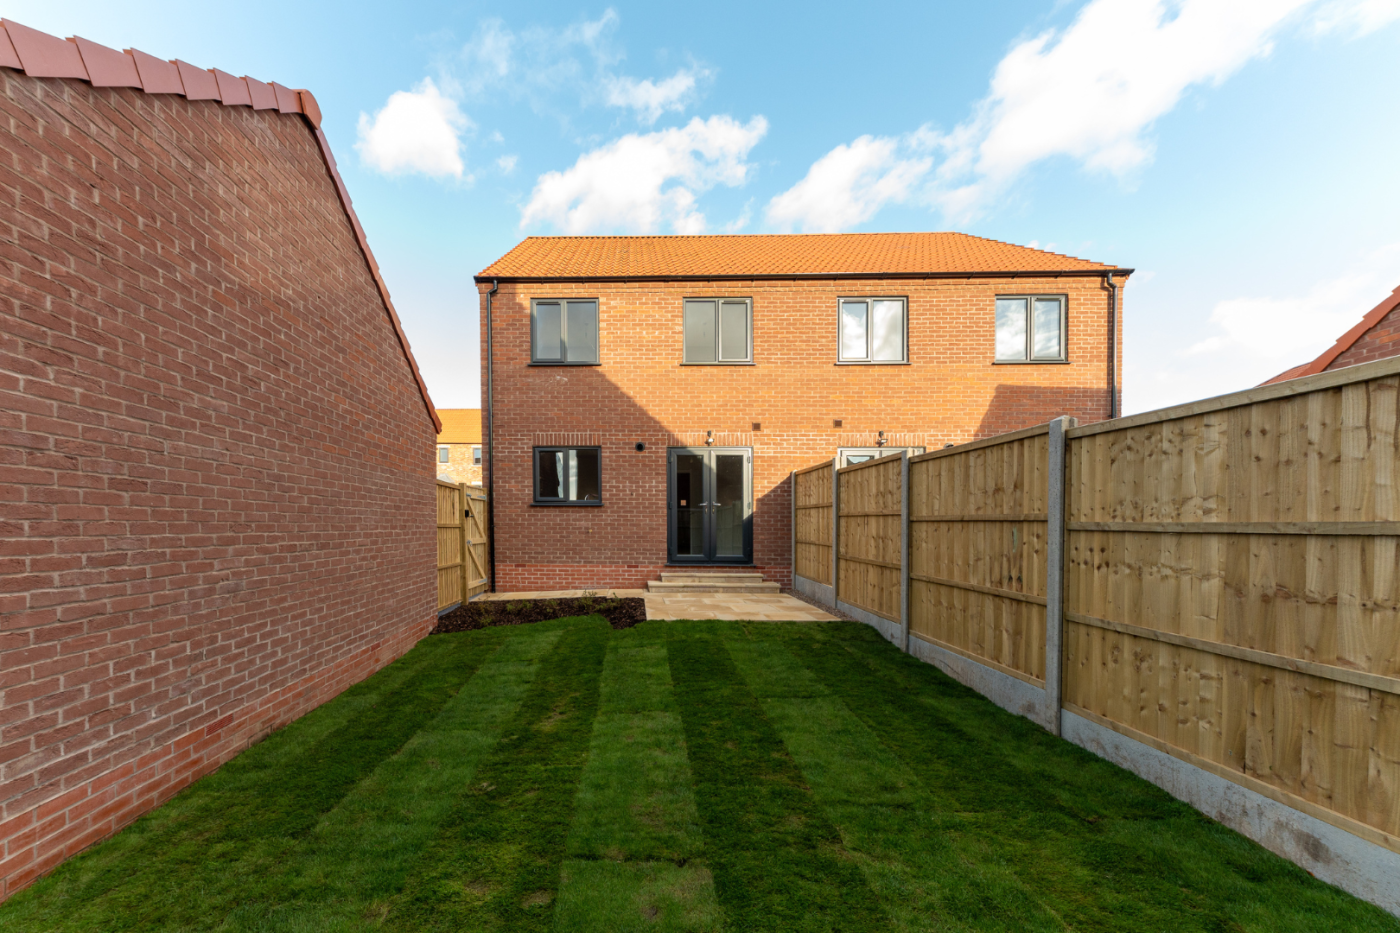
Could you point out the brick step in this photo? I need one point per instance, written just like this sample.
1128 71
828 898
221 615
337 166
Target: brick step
689 577
658 586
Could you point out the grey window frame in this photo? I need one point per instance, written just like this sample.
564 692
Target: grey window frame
564 331
535 499
444 449
1030 299
870 300
719 338
476 455
843 452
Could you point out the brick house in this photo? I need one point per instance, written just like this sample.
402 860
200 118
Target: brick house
648 397
459 445
1375 337
216 486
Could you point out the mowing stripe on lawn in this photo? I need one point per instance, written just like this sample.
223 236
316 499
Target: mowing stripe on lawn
182 865
1103 849
635 843
494 864
359 855
778 863
914 853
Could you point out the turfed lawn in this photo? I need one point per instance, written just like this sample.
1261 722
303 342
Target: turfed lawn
697 776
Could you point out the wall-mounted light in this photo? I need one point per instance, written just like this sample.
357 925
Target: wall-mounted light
641 447
881 442
709 438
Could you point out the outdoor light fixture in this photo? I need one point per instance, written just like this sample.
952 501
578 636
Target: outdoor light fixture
881 442
709 438
641 446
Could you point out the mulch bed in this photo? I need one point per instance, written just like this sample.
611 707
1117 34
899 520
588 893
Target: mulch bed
620 613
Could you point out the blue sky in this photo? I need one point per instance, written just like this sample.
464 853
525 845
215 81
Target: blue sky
1241 155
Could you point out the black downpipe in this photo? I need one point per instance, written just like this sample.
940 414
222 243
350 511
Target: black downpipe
490 448
1112 345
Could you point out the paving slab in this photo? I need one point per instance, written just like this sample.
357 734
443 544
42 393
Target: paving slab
753 607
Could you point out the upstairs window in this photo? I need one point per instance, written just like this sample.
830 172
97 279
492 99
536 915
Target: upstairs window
568 476
873 331
444 454
564 331
476 456
718 330
1031 329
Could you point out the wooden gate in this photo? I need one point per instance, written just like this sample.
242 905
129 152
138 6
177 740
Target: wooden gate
461 543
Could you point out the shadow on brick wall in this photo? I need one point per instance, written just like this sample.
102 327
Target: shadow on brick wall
1015 407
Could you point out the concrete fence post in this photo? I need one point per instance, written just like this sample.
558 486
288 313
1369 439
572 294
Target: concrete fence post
835 528
792 479
1055 574
904 613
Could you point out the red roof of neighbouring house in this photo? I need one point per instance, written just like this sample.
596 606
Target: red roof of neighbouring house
1344 342
778 256
40 55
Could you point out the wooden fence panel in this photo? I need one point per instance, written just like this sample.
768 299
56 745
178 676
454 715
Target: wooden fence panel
1232 591
449 544
870 536
462 557
977 550
477 569
812 532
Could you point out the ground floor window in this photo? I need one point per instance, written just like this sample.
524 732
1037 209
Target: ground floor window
444 454
850 455
476 456
568 476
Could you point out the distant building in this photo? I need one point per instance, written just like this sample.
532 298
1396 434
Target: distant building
1375 337
459 446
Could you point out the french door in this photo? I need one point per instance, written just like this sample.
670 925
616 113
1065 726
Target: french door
709 505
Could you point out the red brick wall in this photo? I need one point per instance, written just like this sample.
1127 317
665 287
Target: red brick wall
1381 342
951 392
216 471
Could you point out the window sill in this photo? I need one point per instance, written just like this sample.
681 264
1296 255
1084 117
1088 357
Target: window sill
547 363
873 363
723 363
1030 362
565 505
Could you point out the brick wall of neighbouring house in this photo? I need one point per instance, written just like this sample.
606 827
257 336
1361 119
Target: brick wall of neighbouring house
950 393
216 484
1381 342
460 466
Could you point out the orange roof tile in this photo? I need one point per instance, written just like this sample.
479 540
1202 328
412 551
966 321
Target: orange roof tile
777 256
460 426
40 55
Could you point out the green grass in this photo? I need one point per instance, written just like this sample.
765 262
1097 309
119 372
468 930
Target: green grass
698 777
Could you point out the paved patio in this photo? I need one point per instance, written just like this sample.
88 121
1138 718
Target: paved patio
758 607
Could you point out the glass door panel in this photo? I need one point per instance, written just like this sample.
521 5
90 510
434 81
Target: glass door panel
688 505
729 501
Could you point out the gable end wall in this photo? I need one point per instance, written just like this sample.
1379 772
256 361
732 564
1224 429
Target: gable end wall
216 483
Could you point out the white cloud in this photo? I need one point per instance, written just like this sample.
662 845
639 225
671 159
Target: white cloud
506 163
1090 92
1356 17
1285 331
649 99
643 181
1249 339
1093 90
849 184
415 131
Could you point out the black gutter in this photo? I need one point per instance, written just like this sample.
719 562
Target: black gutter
773 277
1112 344
490 451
